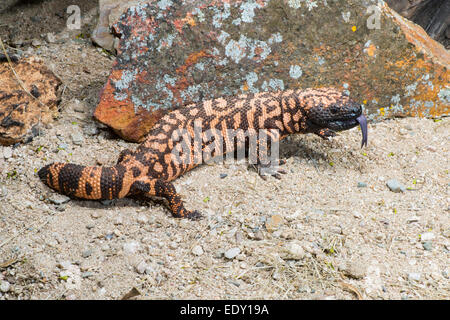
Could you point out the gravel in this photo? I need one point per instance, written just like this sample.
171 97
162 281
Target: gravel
297 238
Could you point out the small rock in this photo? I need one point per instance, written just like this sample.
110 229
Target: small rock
259 235
131 247
412 219
274 222
3 191
232 253
223 175
118 220
4 286
427 236
90 130
395 186
63 146
86 253
95 215
362 184
7 152
90 226
294 251
357 215
142 218
353 269
276 275
414 276
197 250
141 267
36 43
87 274
77 138
239 236
427 245
50 37
58 199
336 230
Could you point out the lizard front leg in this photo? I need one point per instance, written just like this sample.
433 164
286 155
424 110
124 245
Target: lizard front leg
269 140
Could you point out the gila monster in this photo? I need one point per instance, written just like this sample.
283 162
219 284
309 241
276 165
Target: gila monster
149 170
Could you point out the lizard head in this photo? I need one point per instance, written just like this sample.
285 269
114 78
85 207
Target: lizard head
330 111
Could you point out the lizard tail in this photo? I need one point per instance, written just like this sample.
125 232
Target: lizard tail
84 182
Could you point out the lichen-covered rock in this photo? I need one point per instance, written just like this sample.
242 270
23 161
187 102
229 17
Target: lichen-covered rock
21 115
175 53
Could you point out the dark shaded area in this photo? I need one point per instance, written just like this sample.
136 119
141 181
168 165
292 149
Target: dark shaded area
432 15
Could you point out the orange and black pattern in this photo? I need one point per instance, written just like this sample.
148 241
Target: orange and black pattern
149 169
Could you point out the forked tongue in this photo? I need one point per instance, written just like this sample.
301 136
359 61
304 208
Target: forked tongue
363 124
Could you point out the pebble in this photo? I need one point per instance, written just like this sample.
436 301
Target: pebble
223 175
427 236
259 235
413 276
77 138
362 184
232 253
63 146
294 251
357 215
3 191
87 274
141 267
58 199
4 286
95 215
142 219
427 245
353 269
274 222
7 152
50 37
86 253
36 43
395 186
412 219
131 247
118 220
197 250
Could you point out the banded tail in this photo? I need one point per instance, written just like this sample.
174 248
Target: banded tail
84 182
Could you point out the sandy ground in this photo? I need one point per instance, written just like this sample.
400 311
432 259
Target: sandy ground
315 234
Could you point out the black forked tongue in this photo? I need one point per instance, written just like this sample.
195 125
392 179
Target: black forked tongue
363 124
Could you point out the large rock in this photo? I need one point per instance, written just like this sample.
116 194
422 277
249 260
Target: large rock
21 114
173 53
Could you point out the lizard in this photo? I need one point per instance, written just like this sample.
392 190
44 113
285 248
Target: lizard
149 169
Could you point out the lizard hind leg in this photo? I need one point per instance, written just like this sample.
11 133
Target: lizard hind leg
150 187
